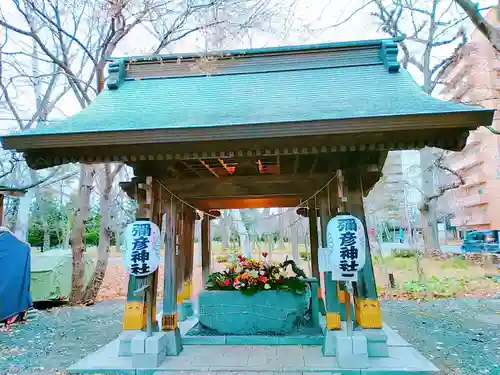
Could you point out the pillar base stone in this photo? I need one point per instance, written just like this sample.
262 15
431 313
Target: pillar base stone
173 342
376 340
125 343
149 351
330 343
352 352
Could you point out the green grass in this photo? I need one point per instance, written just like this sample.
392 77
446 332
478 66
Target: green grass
455 262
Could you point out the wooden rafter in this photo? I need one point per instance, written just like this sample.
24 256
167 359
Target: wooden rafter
209 168
261 166
194 170
313 166
296 164
229 170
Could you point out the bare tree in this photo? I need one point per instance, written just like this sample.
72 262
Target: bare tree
473 12
432 29
76 39
106 176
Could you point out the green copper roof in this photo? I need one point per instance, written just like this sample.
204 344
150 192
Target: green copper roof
288 84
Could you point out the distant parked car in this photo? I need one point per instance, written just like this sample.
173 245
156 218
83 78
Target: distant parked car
481 241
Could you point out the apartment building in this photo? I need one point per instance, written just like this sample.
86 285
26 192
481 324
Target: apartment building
394 199
475 79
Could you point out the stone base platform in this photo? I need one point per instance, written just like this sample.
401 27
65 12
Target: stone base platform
253 360
295 338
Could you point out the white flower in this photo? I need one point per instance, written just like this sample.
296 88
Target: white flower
262 273
267 286
254 274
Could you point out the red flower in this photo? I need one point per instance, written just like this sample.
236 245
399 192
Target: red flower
227 282
264 254
263 279
241 258
220 283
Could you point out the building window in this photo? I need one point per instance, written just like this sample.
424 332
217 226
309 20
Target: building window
481 191
485 210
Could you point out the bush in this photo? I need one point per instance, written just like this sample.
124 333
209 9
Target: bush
404 253
304 255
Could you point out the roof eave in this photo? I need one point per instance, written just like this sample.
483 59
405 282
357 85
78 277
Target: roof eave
468 119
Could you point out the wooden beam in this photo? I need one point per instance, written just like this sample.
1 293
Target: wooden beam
248 202
243 186
209 168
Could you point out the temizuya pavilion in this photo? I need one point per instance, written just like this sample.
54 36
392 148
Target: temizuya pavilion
254 128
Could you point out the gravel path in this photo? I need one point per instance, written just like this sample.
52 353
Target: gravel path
58 338
461 337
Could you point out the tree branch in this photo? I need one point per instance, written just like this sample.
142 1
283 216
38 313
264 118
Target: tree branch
487 29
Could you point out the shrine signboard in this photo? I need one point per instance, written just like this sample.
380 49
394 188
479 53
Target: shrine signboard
345 254
142 248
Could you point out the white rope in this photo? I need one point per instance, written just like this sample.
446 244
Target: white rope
301 204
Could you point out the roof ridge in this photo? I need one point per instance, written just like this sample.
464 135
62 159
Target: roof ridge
256 51
386 51
284 70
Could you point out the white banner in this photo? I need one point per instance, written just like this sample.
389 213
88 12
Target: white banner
142 248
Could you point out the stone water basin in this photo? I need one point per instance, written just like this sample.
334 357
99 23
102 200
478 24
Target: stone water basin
265 312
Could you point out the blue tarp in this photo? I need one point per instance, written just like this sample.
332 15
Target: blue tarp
15 266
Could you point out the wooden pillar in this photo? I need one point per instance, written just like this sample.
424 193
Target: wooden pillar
332 303
188 251
313 236
341 203
367 305
179 253
205 248
135 315
169 316
1 208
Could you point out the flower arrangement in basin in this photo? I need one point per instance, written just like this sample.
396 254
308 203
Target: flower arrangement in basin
254 297
250 276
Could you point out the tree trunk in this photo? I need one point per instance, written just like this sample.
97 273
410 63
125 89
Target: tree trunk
270 246
21 229
12 222
46 235
294 240
77 236
224 233
67 234
429 227
105 231
243 233
118 247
